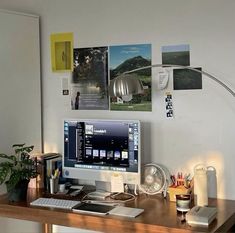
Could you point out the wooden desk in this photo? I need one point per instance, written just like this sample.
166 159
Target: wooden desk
159 216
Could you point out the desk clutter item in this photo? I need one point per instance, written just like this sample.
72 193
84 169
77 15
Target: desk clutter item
201 215
183 202
54 203
98 195
126 211
51 168
177 190
181 185
54 185
154 179
122 196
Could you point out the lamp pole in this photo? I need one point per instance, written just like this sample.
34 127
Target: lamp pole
188 68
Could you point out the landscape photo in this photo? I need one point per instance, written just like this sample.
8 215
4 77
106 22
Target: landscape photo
184 79
125 58
176 55
89 88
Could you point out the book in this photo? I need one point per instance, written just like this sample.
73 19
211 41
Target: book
199 215
50 162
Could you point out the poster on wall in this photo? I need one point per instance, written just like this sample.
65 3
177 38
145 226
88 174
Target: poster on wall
125 58
89 85
62 52
176 55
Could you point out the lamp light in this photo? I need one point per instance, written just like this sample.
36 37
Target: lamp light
127 84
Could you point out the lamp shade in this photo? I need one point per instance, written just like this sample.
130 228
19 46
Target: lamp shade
125 85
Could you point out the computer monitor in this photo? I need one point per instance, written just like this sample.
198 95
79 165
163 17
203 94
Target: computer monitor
96 149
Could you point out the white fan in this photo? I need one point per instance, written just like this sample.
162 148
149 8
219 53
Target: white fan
154 180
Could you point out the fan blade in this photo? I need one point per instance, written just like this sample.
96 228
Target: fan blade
150 170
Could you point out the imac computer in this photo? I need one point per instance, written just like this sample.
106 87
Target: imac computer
97 149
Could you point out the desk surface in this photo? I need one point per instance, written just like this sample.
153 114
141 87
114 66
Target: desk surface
160 215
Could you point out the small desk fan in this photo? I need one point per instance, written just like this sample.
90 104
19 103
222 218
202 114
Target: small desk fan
154 180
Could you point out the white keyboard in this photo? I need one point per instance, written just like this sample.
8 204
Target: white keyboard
55 203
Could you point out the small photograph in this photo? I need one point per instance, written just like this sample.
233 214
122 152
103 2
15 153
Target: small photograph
90 79
65 86
184 79
125 58
169 105
124 155
95 153
109 154
117 154
169 114
176 55
89 129
102 153
65 92
88 152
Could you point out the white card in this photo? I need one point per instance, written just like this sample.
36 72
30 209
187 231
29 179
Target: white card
117 185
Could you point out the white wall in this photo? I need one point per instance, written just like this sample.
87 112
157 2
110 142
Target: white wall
203 129
20 93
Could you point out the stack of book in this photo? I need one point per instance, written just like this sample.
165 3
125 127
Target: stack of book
50 163
202 216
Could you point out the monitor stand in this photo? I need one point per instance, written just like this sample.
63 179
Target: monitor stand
103 190
103 186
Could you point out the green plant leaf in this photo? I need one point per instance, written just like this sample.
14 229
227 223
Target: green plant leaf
5 169
20 166
18 145
27 149
10 157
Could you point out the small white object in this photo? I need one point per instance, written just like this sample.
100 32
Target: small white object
211 182
117 183
126 211
200 185
61 188
77 187
98 195
163 78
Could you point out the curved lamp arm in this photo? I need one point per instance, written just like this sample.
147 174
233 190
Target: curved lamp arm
177 66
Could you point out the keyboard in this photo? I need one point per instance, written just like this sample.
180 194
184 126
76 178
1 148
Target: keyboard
54 203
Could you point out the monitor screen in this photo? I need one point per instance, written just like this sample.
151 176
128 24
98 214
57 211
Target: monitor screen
94 149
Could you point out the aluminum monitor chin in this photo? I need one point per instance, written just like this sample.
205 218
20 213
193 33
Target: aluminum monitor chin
95 149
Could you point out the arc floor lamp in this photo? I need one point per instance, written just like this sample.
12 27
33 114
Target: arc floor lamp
127 84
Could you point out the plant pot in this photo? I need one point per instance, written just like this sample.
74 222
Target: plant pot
19 192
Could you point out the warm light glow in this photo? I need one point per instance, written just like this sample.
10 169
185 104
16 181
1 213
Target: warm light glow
50 148
214 159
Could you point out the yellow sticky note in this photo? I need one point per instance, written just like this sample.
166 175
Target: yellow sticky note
62 52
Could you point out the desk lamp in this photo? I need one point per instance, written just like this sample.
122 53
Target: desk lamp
127 84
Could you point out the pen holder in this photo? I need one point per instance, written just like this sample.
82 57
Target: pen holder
173 191
54 183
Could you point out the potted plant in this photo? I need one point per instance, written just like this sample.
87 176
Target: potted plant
16 171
